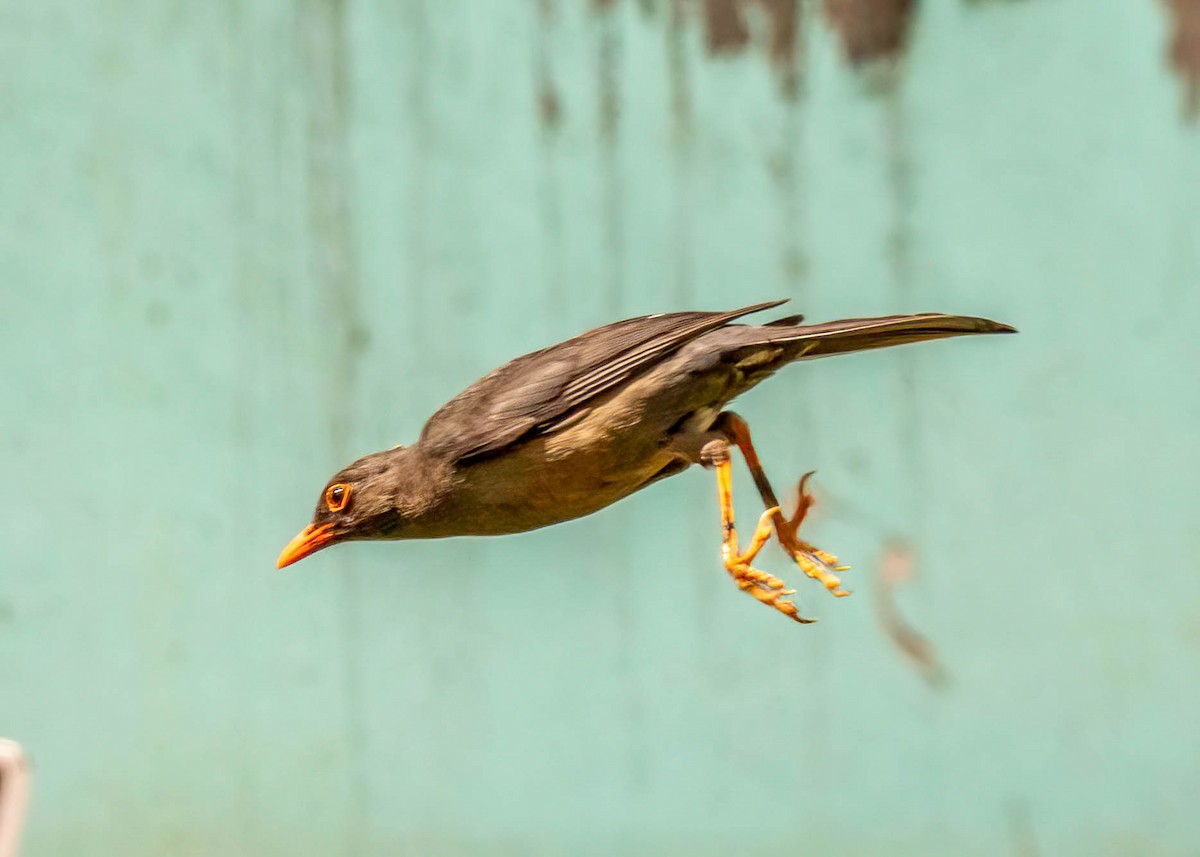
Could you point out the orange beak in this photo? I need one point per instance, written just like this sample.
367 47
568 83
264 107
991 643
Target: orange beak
310 540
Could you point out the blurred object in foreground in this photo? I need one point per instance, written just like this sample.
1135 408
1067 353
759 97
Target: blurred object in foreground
14 790
896 566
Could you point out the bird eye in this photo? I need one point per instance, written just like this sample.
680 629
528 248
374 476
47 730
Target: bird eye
337 496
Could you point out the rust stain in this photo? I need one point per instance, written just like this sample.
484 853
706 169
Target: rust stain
1183 51
609 86
679 78
682 135
608 78
647 7
550 115
725 29
727 26
549 106
784 16
731 26
896 567
871 30
549 103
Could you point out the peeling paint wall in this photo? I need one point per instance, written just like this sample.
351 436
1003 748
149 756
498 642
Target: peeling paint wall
244 243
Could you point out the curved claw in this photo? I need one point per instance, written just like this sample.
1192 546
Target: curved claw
814 562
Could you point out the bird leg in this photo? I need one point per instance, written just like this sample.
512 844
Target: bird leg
768 589
816 563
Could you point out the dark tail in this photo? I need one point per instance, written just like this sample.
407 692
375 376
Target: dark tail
861 334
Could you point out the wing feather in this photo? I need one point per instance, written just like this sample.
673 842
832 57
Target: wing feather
535 393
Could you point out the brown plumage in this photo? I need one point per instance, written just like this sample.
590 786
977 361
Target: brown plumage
565 431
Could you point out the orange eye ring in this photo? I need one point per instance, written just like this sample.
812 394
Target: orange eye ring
337 496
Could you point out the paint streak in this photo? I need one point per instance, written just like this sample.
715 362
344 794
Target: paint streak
731 26
683 140
727 27
786 164
548 100
324 46
612 196
784 16
679 79
549 106
418 102
1020 827
1183 51
324 49
896 567
871 30
550 118
609 89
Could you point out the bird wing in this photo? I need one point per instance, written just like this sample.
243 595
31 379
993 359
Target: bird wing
536 392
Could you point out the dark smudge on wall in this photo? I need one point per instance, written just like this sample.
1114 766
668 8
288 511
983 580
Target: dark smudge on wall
1183 51
732 26
548 100
727 28
871 30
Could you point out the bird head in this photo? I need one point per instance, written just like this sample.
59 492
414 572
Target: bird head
357 503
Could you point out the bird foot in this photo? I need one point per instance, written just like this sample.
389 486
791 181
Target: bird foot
767 588
816 563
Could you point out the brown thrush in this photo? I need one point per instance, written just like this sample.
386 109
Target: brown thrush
565 431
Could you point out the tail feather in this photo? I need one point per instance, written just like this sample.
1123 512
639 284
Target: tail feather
861 334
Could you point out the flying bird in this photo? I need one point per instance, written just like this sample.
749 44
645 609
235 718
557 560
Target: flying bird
567 430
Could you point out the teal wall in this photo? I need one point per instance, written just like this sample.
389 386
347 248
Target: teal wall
243 243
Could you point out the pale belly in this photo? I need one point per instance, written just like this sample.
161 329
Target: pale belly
608 454
536 486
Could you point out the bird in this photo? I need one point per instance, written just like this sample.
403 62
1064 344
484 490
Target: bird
565 431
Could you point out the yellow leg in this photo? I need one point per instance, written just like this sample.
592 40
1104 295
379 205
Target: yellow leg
816 563
768 589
